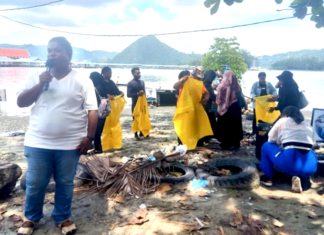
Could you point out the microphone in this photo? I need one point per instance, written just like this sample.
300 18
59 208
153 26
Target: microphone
49 64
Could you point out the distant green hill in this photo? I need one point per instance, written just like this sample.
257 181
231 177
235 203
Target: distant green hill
267 61
149 50
79 54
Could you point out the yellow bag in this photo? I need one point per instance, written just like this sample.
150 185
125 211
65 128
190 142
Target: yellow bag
190 120
141 117
112 133
261 110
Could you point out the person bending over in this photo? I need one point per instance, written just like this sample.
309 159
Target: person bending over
290 149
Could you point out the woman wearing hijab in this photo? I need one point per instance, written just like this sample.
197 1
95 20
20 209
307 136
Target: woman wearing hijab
229 124
209 77
289 148
261 88
288 92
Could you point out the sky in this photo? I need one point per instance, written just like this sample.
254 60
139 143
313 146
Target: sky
159 16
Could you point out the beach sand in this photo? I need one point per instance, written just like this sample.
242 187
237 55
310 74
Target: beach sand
97 215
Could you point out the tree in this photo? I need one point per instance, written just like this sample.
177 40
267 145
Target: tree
300 8
248 58
225 52
300 63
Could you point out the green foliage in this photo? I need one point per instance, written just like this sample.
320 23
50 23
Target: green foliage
149 50
225 52
267 61
304 63
248 58
300 8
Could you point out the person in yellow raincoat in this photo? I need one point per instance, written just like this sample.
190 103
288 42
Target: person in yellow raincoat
191 121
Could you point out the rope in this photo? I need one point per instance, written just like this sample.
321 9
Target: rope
143 35
23 8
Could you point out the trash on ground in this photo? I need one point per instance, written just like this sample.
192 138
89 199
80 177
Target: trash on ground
197 184
201 193
162 188
182 149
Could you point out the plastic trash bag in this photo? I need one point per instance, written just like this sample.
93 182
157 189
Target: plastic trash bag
182 149
112 133
261 110
141 117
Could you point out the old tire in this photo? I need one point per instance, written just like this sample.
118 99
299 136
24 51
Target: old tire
188 174
81 171
320 165
9 174
247 178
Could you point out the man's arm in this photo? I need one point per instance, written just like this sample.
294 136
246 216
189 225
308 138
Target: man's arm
92 126
28 97
253 91
180 83
130 93
90 104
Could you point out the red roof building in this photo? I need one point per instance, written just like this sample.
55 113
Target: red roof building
14 53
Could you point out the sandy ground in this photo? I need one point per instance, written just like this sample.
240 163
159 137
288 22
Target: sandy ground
97 215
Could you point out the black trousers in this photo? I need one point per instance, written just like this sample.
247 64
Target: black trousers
97 141
254 126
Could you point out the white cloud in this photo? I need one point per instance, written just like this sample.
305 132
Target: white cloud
269 38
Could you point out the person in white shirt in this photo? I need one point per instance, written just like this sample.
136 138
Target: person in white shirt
62 125
289 148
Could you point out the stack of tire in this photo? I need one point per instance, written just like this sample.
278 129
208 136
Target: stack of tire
320 164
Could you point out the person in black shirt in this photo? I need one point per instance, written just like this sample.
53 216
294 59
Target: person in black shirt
110 89
135 88
106 89
288 92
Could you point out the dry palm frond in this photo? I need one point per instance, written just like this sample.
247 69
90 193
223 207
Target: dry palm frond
136 177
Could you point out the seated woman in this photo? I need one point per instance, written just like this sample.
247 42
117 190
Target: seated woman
296 157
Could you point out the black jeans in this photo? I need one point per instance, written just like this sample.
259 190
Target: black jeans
97 141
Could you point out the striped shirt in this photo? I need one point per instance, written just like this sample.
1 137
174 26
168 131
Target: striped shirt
286 130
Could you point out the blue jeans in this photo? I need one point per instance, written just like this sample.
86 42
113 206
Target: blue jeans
290 161
42 163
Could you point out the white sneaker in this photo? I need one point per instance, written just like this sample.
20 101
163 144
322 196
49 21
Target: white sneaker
296 185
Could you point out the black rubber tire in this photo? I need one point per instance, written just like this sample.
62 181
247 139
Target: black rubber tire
81 171
320 165
249 117
247 178
188 174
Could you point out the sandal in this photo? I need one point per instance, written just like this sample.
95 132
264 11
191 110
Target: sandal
67 227
27 228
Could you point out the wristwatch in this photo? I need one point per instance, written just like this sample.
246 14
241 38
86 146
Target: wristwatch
91 138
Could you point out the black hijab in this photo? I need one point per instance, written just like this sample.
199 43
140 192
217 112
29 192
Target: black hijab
288 92
209 77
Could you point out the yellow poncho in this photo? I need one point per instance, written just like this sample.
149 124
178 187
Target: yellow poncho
112 133
141 117
261 110
190 120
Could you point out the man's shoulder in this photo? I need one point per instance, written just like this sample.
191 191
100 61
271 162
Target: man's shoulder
79 76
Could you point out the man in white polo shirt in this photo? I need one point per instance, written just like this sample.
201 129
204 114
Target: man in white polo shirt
62 125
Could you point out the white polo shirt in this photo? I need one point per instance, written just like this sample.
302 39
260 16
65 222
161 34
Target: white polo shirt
59 117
